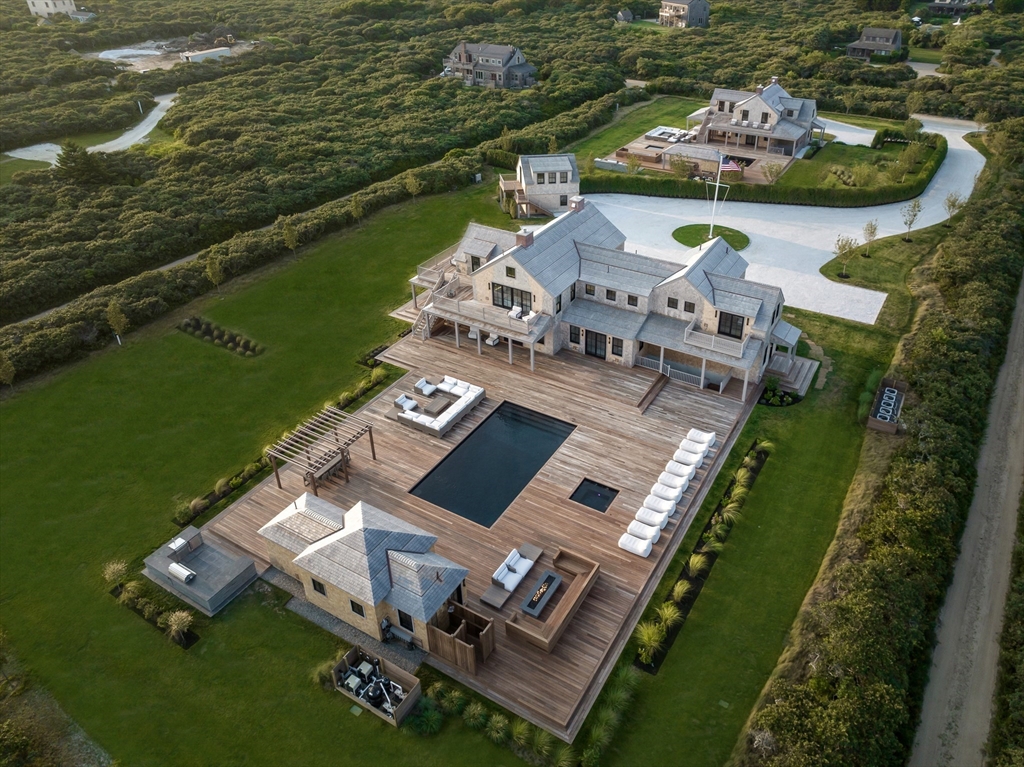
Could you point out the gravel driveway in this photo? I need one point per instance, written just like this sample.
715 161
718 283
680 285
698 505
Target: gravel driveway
790 243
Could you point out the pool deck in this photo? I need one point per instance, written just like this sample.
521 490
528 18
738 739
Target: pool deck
613 444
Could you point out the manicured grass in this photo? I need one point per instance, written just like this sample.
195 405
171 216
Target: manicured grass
863 121
696 234
926 55
816 172
670 111
732 639
11 165
652 26
93 459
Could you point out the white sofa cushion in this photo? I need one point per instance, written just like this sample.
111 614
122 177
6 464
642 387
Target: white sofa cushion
688 459
673 480
707 437
451 380
407 415
651 517
634 545
668 493
694 447
660 504
679 469
648 532
445 386
460 390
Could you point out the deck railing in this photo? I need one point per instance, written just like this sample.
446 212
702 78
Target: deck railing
666 369
433 268
714 342
649 363
473 310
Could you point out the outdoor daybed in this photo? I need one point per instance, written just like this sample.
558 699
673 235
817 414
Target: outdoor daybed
648 532
639 546
688 459
652 517
673 494
655 503
679 469
510 574
674 481
706 437
694 447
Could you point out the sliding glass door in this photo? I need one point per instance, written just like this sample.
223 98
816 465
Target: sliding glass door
595 345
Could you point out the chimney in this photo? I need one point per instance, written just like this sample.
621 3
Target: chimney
577 203
524 239
759 90
775 80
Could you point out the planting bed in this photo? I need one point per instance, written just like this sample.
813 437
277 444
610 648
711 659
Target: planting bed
227 339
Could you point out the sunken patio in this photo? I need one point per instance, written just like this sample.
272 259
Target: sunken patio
548 671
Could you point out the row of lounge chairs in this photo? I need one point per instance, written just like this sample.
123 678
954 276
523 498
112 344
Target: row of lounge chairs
660 504
466 395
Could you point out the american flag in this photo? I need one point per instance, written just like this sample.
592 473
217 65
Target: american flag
728 165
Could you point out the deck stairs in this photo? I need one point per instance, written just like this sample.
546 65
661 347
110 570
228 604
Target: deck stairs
794 374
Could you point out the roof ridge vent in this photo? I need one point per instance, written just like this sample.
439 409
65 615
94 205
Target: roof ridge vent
322 519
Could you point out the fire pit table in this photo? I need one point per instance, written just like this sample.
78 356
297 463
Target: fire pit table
541 593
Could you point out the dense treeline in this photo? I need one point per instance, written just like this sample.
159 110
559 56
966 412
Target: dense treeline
1006 746
852 694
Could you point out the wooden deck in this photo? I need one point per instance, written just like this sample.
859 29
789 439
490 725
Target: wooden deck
613 444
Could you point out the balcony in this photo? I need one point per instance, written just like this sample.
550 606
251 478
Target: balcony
714 342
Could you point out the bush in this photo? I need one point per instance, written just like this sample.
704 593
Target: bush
475 715
453 702
378 375
519 733
427 719
199 505
223 486
497 728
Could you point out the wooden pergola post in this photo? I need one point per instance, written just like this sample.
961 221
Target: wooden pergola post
312 484
373 451
273 462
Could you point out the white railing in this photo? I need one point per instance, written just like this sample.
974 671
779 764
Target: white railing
433 268
650 364
489 315
714 342
687 378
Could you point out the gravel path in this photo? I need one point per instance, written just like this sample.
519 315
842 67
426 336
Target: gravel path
790 243
958 700
49 152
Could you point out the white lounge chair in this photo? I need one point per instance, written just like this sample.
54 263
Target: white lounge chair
474 333
515 312
696 460
651 517
492 339
424 387
707 437
668 493
634 545
655 503
448 383
694 447
648 532
406 402
680 469
674 481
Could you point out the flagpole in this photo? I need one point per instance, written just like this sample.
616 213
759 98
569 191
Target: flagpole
718 183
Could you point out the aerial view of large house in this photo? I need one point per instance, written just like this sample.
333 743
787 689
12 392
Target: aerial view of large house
768 120
684 13
47 8
491 66
543 185
875 41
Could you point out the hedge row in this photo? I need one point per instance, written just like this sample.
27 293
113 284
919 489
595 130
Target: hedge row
666 185
851 695
81 326
1007 743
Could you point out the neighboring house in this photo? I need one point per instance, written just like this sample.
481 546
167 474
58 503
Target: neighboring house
492 66
768 121
875 41
211 53
625 16
697 319
47 8
543 186
684 13
364 566
959 7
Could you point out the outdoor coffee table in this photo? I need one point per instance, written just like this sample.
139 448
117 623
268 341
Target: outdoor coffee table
436 405
541 593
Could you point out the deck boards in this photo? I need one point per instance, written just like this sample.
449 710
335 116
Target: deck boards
613 444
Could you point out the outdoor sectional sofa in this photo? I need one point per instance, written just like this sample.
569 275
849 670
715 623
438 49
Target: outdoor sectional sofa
468 397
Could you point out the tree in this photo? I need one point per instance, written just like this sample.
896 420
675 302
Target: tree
356 206
771 171
178 624
289 234
953 202
680 167
76 164
870 233
7 371
632 165
413 185
214 271
912 129
114 572
897 170
117 320
553 146
849 100
844 249
506 140
910 212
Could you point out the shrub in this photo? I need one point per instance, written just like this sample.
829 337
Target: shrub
428 719
236 482
453 702
669 614
183 514
114 572
650 636
564 757
199 505
378 375
130 593
322 674
149 610
697 565
475 715
682 590
519 733
223 486
543 743
591 757
437 691
497 728
178 624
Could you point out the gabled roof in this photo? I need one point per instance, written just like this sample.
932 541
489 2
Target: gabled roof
538 163
750 299
484 241
421 582
305 520
485 49
552 259
623 271
714 257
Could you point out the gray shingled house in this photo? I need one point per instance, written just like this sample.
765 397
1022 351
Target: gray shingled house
364 566
875 41
490 66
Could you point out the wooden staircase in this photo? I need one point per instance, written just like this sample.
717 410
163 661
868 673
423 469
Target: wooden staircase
794 375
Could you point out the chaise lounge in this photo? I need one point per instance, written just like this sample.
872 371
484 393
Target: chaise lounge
680 470
510 574
652 517
673 481
639 546
706 437
687 458
690 446
673 494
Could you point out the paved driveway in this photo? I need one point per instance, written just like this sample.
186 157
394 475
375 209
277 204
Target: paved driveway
790 243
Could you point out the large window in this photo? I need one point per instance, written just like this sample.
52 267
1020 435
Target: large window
357 608
504 296
574 334
617 347
318 587
730 325
563 200
764 117
405 621
551 178
745 115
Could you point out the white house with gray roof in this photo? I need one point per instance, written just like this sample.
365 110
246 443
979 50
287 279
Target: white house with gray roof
543 185
571 285
768 120
364 566
490 66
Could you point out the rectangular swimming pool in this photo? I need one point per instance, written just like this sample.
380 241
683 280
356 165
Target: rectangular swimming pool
481 477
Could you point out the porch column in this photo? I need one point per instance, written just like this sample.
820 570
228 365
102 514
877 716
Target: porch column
457 335
703 367
509 339
413 288
661 361
479 340
531 358
769 148
427 326
746 373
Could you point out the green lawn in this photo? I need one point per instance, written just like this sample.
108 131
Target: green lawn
670 111
816 172
11 165
93 458
926 55
651 26
696 234
731 642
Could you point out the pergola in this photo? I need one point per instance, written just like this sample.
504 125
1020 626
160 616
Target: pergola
320 446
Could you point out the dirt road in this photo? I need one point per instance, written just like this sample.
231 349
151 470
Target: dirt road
958 700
